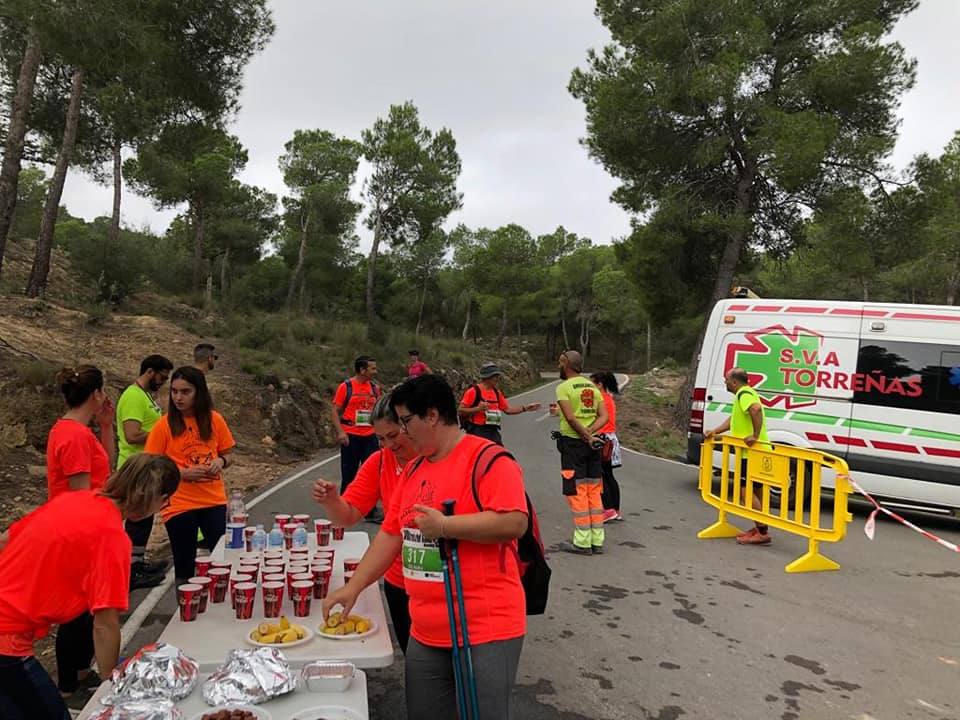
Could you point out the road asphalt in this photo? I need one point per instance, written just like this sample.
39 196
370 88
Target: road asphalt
665 626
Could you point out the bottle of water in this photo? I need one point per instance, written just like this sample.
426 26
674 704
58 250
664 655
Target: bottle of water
300 537
275 541
236 508
259 542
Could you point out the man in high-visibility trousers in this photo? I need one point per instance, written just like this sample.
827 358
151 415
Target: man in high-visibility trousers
582 412
747 421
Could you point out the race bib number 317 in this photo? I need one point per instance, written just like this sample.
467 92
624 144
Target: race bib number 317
421 557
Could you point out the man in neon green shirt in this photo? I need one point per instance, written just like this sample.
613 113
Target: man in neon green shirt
137 413
748 422
582 413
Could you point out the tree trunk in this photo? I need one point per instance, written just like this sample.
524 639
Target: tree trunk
503 327
466 323
371 266
16 132
198 218
563 328
649 346
37 283
113 236
423 300
953 281
304 297
224 273
208 293
584 337
301 260
866 289
721 288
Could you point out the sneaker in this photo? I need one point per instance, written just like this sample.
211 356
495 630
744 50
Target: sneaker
154 567
754 538
748 534
609 515
619 517
597 549
140 579
574 549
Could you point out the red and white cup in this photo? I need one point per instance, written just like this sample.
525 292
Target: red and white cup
273 598
326 555
302 553
295 570
351 564
245 595
338 532
221 583
249 558
205 583
347 576
301 593
288 530
281 520
240 517
248 533
322 528
276 577
235 580
252 570
272 555
302 519
202 565
224 564
188 598
278 564
321 581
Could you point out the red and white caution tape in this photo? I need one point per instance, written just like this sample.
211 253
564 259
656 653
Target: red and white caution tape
870 527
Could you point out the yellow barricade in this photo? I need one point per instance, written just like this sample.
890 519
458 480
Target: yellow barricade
768 469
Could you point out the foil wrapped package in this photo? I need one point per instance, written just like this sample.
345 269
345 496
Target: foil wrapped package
141 710
158 671
250 676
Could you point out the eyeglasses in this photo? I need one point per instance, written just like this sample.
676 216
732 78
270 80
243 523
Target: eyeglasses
405 420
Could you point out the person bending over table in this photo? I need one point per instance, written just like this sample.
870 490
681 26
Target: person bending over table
71 556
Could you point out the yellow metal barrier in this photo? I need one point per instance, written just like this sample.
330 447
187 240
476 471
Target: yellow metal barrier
768 469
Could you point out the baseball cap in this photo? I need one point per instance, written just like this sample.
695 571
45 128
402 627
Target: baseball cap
489 370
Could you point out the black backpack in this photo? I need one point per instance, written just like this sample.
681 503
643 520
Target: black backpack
466 422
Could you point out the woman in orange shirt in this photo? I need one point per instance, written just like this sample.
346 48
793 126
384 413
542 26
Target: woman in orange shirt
607 382
197 439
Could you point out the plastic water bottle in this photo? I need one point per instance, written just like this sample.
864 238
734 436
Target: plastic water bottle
236 508
259 542
300 537
275 541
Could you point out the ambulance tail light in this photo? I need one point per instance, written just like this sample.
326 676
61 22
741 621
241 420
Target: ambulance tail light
697 409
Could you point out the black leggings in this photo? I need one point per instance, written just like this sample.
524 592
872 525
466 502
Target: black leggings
74 648
399 603
139 533
611 489
352 455
182 531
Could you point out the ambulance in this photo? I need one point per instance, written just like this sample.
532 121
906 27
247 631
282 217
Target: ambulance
876 384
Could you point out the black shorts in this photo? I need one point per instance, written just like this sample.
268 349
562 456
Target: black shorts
583 460
490 432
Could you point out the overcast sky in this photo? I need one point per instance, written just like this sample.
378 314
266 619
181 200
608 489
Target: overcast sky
496 74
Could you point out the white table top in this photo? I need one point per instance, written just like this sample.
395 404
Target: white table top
217 631
353 700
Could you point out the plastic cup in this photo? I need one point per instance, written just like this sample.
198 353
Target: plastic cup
235 580
302 519
322 528
351 564
275 577
302 595
188 598
222 564
338 532
245 594
272 554
288 535
273 599
202 565
294 570
249 558
205 583
234 535
299 553
321 581
221 582
325 554
281 520
252 570
278 564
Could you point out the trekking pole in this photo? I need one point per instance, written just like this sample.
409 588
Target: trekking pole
471 679
454 645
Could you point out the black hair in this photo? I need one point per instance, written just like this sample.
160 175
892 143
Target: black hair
202 404
740 375
607 381
361 363
79 383
420 394
203 351
413 352
157 363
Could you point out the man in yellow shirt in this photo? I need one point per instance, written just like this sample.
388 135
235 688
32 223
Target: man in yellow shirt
748 422
582 413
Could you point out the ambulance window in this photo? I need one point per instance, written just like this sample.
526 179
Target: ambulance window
913 376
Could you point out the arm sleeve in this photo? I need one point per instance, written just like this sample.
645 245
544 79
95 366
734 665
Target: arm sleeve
562 393
501 488
130 407
75 454
503 404
225 439
340 396
107 586
364 491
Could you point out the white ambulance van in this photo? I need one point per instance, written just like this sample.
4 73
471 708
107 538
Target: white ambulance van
876 384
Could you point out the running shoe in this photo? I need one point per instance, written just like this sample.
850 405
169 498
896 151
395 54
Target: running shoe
609 515
574 549
754 538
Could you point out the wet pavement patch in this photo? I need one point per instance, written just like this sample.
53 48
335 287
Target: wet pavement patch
603 682
663 527
608 592
689 616
841 685
669 712
634 658
811 665
596 607
669 666
632 544
736 584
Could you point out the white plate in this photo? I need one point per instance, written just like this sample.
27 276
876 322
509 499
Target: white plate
327 712
308 636
352 636
260 714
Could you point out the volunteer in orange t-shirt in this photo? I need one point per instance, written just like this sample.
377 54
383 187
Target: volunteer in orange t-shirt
378 479
610 497
70 556
492 592
483 406
197 439
352 404
77 459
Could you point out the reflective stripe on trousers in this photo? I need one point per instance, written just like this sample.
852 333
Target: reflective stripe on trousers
587 509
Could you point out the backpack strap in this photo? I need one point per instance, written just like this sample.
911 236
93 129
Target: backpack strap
346 400
488 455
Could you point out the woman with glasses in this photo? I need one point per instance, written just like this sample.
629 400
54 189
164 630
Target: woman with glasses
486 522
378 479
197 439
71 556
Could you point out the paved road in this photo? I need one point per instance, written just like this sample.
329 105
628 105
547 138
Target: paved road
665 626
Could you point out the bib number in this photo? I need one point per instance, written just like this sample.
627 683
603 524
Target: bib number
362 418
421 558
493 417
